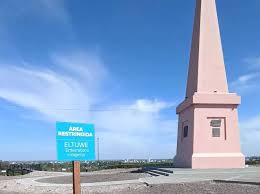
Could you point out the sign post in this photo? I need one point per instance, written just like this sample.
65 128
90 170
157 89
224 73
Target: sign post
76 177
75 142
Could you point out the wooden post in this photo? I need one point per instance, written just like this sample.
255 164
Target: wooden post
76 177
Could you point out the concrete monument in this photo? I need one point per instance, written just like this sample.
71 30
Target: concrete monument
208 132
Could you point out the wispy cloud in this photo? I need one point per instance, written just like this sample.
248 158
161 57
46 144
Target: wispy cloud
55 8
46 90
73 89
253 62
245 83
145 105
249 81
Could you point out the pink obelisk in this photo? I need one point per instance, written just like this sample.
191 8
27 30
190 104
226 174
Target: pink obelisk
208 132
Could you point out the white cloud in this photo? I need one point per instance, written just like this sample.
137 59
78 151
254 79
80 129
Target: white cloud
150 106
136 130
248 82
252 123
253 63
48 91
250 136
245 83
250 143
132 118
73 87
246 78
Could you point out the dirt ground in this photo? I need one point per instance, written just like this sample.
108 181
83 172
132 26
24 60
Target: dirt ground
194 188
187 188
95 178
55 183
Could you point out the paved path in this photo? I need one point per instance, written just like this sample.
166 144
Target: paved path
251 174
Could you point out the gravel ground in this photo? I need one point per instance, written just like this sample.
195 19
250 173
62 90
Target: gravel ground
95 178
187 188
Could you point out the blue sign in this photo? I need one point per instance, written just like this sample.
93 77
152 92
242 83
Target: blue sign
75 141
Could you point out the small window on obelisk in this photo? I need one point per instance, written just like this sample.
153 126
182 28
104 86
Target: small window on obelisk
215 124
185 131
215 132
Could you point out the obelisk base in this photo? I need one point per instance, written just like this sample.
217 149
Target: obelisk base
218 160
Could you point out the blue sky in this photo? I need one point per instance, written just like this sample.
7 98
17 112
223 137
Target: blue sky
121 65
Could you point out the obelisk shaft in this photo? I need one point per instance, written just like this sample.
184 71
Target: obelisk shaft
207 69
